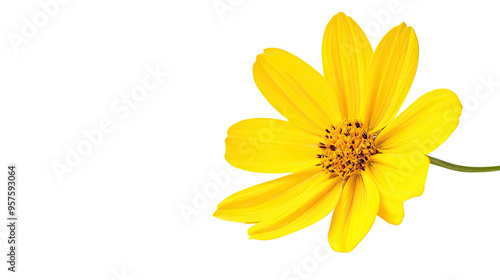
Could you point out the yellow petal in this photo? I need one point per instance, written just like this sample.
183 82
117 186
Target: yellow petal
270 146
354 214
312 205
346 55
296 90
256 203
424 125
389 77
399 177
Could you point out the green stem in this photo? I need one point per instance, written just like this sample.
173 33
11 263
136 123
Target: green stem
462 168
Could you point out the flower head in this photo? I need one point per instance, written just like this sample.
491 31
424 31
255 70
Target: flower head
343 144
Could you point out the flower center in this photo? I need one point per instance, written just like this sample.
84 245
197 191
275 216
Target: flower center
346 149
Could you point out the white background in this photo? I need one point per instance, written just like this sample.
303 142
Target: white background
117 215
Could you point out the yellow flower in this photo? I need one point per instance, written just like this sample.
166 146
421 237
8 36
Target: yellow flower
345 147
